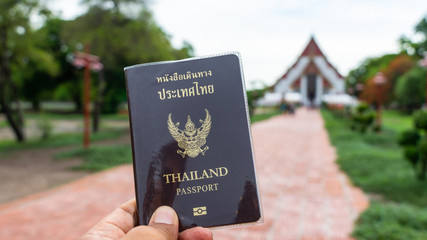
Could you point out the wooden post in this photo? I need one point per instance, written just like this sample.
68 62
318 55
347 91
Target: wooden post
379 81
86 102
89 62
379 103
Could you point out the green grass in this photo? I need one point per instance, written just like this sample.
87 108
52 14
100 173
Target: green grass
396 121
73 116
116 117
98 158
392 222
58 140
375 163
264 116
53 116
3 124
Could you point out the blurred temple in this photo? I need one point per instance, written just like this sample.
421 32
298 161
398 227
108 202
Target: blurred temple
310 79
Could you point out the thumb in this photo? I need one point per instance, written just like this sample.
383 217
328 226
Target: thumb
163 225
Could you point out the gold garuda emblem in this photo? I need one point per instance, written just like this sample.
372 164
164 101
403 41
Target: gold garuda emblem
191 139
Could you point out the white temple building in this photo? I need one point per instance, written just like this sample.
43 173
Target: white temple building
310 79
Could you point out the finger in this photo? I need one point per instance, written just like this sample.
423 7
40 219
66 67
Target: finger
116 224
197 233
163 225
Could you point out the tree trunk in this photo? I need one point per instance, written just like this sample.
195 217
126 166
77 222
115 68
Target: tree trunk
13 116
78 103
35 105
98 102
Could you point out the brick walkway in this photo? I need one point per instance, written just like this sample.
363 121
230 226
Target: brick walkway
304 194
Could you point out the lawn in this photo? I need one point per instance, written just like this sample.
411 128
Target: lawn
59 140
396 121
99 158
264 113
264 116
375 163
73 116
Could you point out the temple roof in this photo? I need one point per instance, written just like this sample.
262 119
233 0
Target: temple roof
312 49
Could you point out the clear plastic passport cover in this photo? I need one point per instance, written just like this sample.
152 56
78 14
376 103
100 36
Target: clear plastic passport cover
191 141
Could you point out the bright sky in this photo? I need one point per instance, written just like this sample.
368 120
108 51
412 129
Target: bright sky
270 34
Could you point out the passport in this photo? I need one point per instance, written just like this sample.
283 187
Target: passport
191 141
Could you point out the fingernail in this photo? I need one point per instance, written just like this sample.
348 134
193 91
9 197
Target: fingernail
164 215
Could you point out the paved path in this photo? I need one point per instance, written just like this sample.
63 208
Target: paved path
304 194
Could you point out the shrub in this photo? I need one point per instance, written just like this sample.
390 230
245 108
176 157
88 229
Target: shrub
392 222
409 90
411 154
420 119
362 108
422 149
414 153
362 118
409 138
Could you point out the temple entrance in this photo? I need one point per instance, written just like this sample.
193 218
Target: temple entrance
312 76
311 88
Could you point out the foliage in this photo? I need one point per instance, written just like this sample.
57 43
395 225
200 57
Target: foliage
410 89
411 154
416 47
415 150
36 63
420 120
253 96
16 51
391 65
39 85
362 118
409 137
374 163
392 222
117 4
120 41
408 93
358 77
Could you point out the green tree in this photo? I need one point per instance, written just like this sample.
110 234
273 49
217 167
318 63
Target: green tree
416 48
410 89
369 67
46 71
18 57
117 4
415 149
120 41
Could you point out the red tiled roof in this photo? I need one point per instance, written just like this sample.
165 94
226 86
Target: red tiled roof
312 49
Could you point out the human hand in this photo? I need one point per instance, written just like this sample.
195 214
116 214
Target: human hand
163 225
